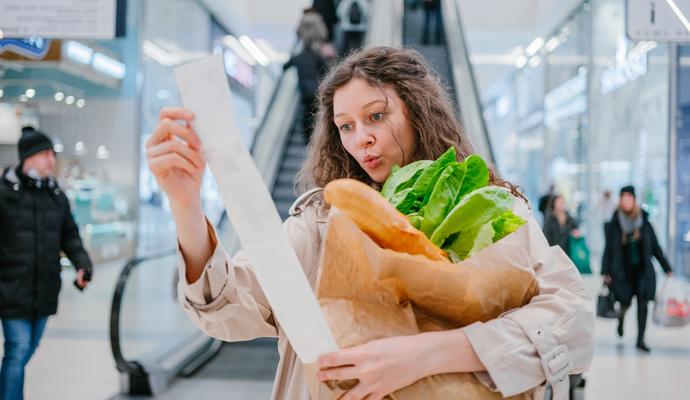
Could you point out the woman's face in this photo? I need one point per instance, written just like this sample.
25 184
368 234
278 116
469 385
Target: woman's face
373 127
559 204
627 202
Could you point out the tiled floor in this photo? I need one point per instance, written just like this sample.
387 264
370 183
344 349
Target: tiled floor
74 359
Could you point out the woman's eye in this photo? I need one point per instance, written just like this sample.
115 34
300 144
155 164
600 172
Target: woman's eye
378 116
345 127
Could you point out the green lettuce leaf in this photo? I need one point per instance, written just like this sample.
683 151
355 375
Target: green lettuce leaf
477 176
401 178
442 197
423 186
473 211
506 224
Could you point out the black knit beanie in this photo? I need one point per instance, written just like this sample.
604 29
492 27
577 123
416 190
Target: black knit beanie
32 142
628 189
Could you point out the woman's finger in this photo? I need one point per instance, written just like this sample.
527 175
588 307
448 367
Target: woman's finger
338 359
359 392
175 146
165 162
169 127
175 113
337 374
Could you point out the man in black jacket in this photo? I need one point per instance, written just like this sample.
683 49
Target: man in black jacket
36 225
627 265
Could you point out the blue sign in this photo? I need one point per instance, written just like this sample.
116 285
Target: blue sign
33 47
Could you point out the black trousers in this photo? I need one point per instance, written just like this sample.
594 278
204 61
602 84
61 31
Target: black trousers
642 309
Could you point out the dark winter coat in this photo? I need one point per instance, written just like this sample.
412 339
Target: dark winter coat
625 282
556 234
36 225
310 65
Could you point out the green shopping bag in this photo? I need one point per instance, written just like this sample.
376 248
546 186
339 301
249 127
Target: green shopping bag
579 254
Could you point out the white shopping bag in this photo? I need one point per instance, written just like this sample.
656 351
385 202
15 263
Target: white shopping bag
672 305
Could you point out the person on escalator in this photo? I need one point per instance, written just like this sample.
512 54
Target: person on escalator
311 63
36 226
432 12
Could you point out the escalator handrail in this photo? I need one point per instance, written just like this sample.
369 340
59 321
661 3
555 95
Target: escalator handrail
123 365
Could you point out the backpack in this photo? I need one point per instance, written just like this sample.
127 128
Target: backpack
355 13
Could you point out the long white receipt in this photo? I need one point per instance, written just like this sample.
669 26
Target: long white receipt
203 90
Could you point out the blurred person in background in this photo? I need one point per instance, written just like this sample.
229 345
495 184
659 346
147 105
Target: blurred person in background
558 224
432 11
326 8
36 225
311 63
627 264
545 200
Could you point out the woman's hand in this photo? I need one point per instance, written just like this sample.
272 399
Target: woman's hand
386 365
174 157
381 366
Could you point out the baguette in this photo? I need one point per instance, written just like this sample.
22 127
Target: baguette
379 219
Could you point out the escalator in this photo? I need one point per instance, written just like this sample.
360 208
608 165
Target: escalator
294 153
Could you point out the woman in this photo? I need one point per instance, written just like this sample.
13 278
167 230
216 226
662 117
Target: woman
378 108
627 265
558 224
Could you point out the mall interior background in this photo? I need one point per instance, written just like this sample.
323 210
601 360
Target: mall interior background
567 98
568 101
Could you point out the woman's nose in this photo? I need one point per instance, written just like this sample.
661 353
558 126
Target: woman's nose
365 138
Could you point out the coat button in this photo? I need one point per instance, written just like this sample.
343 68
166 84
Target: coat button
16 187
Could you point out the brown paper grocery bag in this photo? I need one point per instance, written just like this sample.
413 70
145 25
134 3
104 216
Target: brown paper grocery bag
369 293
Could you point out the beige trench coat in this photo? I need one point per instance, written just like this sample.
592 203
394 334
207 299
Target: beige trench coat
522 350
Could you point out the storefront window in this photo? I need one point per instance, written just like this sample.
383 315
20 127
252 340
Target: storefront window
628 140
681 172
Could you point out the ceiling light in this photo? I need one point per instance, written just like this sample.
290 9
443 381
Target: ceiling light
69 100
109 66
81 103
80 148
23 98
254 50
231 42
159 55
535 46
79 52
535 61
30 93
552 44
2 92
517 52
59 96
521 61
102 152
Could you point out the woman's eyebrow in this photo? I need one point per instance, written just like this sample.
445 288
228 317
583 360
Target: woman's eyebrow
363 107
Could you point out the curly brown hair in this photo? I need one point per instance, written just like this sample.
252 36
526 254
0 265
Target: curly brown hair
428 107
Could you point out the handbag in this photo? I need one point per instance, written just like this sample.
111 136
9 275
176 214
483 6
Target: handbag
606 303
672 305
579 254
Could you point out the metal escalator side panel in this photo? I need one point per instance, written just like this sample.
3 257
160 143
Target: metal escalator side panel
466 92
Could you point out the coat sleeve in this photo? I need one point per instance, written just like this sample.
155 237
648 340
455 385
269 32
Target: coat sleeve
545 340
70 241
227 302
658 253
606 259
